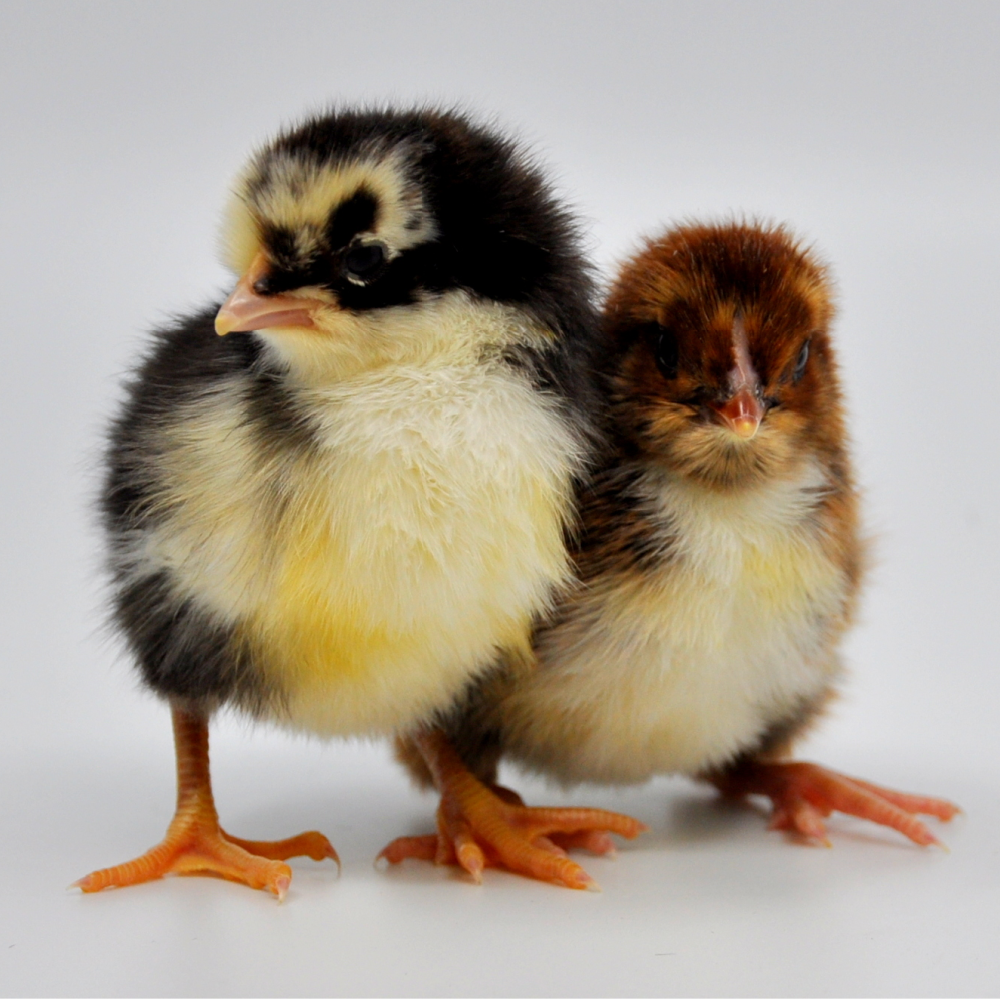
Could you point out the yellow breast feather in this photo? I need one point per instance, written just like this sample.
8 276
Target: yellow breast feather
372 574
679 665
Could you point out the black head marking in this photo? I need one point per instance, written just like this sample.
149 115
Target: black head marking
356 215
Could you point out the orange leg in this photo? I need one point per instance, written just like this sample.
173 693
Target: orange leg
805 794
480 827
195 844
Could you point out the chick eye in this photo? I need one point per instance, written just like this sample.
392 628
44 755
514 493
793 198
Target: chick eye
363 262
800 362
666 353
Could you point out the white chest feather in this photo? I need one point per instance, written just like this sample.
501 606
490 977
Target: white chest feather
377 570
678 669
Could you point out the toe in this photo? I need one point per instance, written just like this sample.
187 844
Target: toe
306 845
421 848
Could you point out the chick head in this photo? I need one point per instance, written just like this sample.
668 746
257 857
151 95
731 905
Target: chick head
359 236
719 353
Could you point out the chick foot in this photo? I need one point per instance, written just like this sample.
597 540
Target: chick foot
482 827
804 794
196 844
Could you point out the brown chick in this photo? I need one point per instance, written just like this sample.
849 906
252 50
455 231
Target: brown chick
720 556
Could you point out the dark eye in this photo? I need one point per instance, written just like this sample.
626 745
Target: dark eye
800 362
363 262
666 353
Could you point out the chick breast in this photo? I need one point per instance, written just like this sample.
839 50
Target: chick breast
677 669
367 572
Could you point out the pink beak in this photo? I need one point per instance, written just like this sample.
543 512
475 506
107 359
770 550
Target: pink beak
742 413
246 310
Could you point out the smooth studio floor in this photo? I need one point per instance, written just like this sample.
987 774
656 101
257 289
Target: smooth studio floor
707 903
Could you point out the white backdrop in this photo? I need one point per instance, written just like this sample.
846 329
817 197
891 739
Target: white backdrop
874 128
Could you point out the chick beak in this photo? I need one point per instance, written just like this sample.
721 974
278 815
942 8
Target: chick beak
246 309
742 412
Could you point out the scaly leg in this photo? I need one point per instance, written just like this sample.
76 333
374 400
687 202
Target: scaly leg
195 844
481 827
805 794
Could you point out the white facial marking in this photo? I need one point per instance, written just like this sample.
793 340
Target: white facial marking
743 374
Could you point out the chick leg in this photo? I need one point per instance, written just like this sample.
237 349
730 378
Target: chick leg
481 827
195 844
805 794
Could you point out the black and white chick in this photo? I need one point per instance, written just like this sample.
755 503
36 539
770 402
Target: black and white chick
720 555
333 516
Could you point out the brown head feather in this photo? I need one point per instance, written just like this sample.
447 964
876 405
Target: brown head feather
677 321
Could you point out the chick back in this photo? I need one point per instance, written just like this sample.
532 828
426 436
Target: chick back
180 647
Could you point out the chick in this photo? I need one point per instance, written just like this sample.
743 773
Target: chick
335 516
720 555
